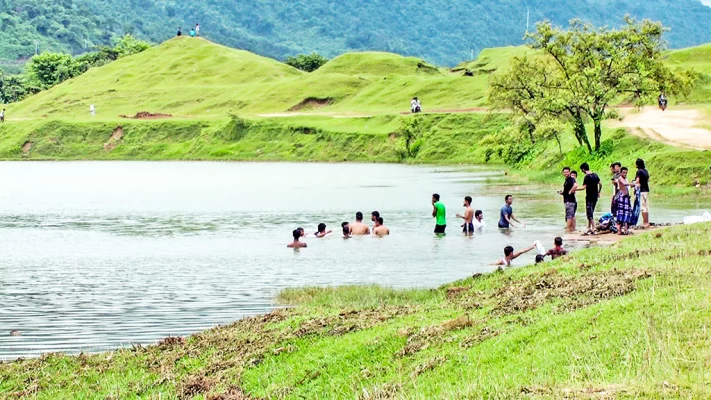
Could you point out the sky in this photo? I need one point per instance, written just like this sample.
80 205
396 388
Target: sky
706 2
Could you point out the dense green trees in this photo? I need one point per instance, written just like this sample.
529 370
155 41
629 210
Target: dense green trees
438 31
576 74
306 62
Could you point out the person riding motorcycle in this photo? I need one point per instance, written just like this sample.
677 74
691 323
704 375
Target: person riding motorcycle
662 101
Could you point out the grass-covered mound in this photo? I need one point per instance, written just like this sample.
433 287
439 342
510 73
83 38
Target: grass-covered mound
628 321
377 63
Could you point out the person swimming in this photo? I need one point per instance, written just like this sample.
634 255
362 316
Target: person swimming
346 230
510 255
322 232
374 217
296 244
380 228
358 228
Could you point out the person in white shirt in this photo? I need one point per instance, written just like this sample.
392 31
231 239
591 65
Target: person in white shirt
197 29
2 115
413 105
92 110
479 223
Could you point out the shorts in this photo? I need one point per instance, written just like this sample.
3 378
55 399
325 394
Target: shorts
644 202
503 226
468 227
440 229
570 209
590 208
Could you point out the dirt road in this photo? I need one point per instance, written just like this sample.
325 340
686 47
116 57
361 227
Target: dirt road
681 128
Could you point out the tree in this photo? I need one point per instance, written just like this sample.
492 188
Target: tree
575 75
49 69
128 45
307 62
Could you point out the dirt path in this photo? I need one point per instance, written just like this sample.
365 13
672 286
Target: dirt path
679 128
361 115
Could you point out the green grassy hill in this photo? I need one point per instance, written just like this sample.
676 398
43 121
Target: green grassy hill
627 321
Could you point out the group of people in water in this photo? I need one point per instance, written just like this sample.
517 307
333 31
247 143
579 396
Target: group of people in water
358 228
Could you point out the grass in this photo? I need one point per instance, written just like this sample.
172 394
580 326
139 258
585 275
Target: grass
628 321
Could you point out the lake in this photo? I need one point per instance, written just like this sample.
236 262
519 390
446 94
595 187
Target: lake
99 255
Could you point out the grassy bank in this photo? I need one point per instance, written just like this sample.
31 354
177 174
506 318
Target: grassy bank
626 321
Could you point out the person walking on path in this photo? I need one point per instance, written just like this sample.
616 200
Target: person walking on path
642 182
2 115
507 214
571 204
592 187
439 212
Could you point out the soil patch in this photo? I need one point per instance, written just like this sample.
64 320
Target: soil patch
146 115
311 103
26 147
114 139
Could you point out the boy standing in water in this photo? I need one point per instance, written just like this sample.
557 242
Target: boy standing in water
380 228
440 214
507 214
359 228
296 244
468 227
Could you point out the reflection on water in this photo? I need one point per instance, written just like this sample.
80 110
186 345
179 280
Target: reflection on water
101 255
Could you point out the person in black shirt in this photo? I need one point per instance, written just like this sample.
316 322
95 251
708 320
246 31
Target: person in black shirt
571 205
180 32
592 187
642 182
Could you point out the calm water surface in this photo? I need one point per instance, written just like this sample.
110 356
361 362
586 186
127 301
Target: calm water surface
98 255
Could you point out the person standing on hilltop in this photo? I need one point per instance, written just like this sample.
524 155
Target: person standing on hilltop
197 29
439 212
180 32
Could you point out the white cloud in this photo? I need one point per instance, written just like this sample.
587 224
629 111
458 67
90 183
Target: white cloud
706 2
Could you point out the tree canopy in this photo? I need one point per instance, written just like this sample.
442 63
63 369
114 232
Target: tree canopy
575 75
306 62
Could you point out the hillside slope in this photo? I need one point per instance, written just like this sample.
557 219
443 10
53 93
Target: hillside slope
628 321
192 77
442 33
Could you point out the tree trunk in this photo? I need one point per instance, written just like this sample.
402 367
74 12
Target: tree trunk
598 132
580 132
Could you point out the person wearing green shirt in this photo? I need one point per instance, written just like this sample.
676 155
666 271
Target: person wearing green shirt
440 215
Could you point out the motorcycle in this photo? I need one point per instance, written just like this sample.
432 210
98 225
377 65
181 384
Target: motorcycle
662 104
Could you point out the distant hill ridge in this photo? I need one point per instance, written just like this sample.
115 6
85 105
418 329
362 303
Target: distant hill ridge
442 33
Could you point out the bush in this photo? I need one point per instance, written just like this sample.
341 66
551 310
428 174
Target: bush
307 62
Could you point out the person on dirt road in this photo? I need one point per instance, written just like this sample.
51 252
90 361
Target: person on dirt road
439 212
662 101
642 182
358 228
592 187
570 186
468 217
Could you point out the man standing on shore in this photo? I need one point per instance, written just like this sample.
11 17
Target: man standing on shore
359 228
468 217
593 187
440 214
571 205
642 182
615 172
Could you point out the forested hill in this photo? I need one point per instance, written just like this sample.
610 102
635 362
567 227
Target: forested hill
440 31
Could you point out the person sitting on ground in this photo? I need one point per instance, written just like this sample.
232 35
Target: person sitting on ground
322 232
359 228
507 214
558 250
192 33
180 32
380 228
509 255
296 244
346 230
479 223
468 217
